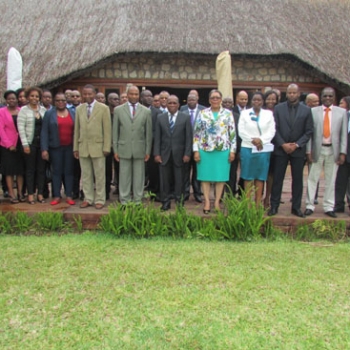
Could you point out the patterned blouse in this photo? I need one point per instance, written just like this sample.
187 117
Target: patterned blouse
211 134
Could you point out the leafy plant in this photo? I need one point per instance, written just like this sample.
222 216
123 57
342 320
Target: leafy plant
5 224
50 222
21 222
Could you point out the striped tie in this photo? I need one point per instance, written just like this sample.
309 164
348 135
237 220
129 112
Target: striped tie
171 123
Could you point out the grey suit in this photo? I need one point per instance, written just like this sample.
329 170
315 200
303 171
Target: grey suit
172 147
132 141
325 156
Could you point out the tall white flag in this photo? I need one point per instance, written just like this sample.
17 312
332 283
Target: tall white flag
14 69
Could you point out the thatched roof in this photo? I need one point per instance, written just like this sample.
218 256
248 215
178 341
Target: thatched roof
57 39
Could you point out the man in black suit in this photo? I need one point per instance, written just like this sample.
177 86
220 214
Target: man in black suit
241 104
172 149
185 107
113 101
294 127
152 168
192 109
227 103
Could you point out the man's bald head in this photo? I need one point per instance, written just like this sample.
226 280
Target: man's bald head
242 99
312 100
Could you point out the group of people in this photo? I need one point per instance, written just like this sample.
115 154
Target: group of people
142 136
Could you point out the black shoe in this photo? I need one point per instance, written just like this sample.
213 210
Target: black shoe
165 206
298 212
186 197
272 212
339 210
331 214
198 198
315 201
308 212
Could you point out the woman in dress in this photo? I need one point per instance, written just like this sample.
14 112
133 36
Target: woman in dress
11 152
214 147
29 127
57 144
271 99
256 128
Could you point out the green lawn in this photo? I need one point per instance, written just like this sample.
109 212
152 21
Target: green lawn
97 292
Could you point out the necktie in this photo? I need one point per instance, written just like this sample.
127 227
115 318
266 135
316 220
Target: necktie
171 123
89 111
192 116
326 129
133 109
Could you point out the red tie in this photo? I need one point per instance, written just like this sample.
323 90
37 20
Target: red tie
326 129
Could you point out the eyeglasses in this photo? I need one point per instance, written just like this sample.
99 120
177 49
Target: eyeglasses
60 100
215 98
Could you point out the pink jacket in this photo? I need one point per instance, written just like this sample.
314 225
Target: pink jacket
8 132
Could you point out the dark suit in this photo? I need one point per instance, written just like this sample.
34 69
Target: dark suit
172 147
192 165
343 178
232 182
290 130
152 172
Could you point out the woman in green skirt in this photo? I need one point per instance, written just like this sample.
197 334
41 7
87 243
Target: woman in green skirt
214 147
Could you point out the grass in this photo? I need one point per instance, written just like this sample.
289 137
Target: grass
93 291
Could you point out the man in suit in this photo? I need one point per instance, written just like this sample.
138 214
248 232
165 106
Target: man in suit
185 107
92 143
163 98
342 181
113 101
172 149
227 103
77 193
192 108
152 168
294 127
241 102
132 142
326 150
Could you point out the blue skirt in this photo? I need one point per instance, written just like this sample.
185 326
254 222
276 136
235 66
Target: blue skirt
214 166
254 166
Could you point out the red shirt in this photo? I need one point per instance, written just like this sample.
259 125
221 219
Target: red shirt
65 130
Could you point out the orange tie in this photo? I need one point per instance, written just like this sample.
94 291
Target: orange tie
326 131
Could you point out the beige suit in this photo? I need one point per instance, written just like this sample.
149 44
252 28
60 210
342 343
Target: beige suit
325 158
132 141
92 137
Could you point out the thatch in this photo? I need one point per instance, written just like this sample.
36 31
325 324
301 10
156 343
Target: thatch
57 39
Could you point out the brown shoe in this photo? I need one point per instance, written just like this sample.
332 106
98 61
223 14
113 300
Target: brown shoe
98 206
85 204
